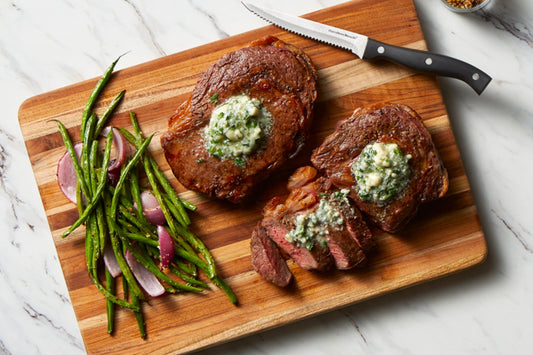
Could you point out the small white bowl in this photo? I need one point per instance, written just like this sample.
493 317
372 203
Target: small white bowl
458 9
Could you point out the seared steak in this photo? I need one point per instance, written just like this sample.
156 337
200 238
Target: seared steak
389 192
281 78
267 260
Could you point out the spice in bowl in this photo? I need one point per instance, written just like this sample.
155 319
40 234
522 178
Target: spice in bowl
464 5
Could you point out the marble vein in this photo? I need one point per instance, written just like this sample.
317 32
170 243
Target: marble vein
212 19
516 28
3 349
356 327
141 18
44 319
517 235
6 138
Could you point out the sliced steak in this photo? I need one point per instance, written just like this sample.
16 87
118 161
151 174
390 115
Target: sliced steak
284 81
267 260
341 235
384 123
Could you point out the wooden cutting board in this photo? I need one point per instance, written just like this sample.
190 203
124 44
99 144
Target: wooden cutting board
445 237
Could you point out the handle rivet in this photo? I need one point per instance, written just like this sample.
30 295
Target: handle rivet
429 61
381 49
475 76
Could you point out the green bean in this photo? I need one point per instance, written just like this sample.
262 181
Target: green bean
125 288
193 258
86 147
188 278
94 95
136 127
138 154
188 205
99 216
91 232
190 268
136 195
178 202
129 137
200 246
110 307
101 185
105 116
102 227
89 252
139 316
217 280
141 238
79 199
173 209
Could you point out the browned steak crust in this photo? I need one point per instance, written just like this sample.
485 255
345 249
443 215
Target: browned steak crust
385 123
282 77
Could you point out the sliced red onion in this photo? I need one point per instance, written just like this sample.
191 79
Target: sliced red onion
146 279
123 151
151 208
166 246
111 262
66 175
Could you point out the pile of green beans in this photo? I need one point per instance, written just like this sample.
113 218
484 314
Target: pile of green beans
113 215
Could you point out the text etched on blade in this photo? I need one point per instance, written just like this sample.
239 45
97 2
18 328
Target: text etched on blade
349 35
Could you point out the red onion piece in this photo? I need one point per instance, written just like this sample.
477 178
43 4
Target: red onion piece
111 262
146 279
123 151
166 246
151 209
66 175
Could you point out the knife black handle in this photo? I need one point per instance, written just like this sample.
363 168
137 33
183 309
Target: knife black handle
429 62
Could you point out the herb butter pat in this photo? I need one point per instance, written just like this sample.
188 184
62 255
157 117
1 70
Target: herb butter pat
312 228
382 171
237 128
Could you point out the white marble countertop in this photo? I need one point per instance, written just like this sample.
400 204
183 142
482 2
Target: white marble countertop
484 310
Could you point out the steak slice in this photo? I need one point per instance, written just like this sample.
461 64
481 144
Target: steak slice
384 123
267 260
277 74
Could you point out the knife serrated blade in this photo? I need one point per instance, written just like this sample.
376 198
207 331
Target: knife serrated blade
368 48
351 41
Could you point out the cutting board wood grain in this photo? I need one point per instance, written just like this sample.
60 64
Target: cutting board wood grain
444 237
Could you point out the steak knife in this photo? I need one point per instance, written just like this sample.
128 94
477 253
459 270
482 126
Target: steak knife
368 48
